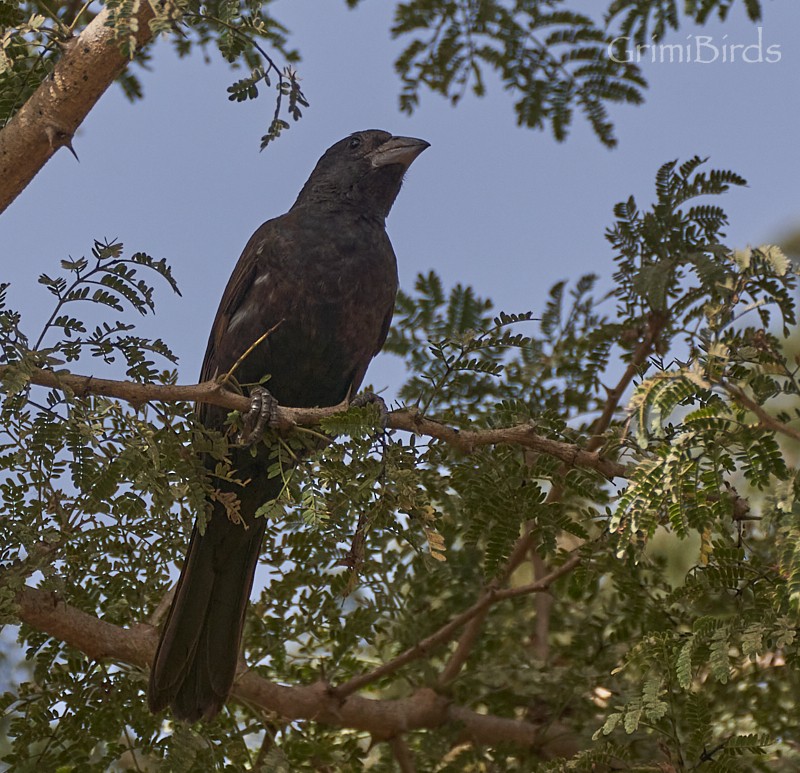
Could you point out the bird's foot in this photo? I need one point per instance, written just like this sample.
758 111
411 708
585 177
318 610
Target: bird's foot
263 412
370 398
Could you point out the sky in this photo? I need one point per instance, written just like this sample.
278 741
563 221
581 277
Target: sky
508 210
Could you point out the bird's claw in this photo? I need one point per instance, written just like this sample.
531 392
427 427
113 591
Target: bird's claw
263 412
370 398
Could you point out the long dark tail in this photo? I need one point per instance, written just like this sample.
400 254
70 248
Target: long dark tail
198 653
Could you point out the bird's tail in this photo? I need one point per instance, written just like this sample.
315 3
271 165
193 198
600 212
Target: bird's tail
198 652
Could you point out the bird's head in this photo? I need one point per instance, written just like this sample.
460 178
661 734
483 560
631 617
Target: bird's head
364 170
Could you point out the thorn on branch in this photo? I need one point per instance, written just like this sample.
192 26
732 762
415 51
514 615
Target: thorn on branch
67 42
60 137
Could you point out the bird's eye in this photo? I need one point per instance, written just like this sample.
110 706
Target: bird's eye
355 142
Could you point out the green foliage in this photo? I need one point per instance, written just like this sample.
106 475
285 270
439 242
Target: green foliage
33 36
91 490
379 538
684 657
648 22
554 60
635 668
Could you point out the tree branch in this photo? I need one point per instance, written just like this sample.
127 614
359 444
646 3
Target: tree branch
770 422
465 644
543 605
404 419
524 544
446 632
383 719
402 754
655 326
521 435
50 117
408 420
96 638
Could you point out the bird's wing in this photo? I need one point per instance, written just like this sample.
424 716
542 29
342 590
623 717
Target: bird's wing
223 347
304 308
387 323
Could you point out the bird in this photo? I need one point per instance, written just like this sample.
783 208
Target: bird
307 307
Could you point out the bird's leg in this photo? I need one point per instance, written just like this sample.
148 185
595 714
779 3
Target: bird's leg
370 398
263 411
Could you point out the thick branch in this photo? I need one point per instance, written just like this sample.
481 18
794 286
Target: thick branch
405 419
50 117
96 638
383 719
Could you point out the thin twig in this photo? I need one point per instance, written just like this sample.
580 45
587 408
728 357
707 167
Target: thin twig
227 377
447 631
543 604
524 435
402 754
236 31
354 560
764 418
526 541
655 326
163 606
465 644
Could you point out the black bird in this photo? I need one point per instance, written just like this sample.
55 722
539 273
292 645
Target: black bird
323 279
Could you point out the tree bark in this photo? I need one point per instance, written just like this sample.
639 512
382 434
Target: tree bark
383 719
49 119
408 419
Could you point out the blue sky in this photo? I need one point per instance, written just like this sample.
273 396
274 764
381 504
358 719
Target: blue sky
508 210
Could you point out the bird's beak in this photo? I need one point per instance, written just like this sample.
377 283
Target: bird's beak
398 150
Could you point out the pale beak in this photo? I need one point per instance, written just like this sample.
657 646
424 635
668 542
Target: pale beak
398 150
